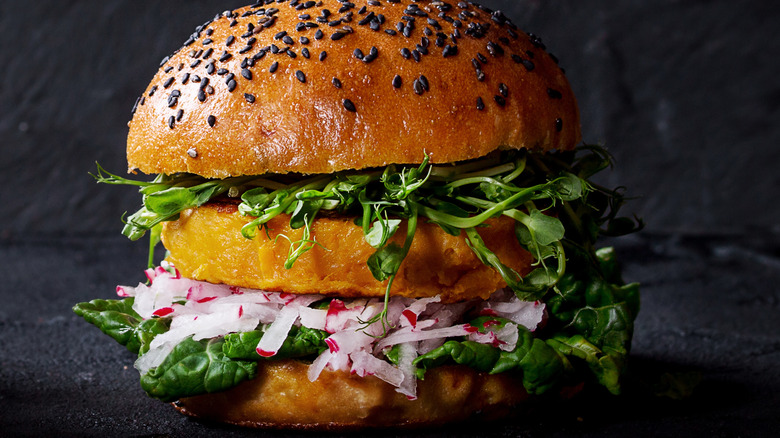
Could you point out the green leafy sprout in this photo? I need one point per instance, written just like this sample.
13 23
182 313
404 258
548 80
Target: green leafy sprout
548 195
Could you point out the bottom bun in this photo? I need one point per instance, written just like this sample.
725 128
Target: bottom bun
281 396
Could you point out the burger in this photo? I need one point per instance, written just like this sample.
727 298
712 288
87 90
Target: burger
376 213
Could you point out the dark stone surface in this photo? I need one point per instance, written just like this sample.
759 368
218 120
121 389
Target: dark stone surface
709 308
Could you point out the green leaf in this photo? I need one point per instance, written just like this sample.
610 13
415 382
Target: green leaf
117 319
381 231
544 229
542 367
605 367
568 187
194 368
385 262
481 357
300 342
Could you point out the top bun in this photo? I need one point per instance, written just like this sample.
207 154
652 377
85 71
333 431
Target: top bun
318 87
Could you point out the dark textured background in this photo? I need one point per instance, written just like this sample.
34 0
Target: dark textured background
684 94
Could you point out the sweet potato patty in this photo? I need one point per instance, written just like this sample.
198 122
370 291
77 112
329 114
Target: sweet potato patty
206 244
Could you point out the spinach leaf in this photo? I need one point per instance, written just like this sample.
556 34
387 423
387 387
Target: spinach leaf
300 342
117 319
481 357
196 367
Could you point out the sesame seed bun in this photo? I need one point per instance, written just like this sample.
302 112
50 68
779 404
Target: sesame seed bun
281 88
281 396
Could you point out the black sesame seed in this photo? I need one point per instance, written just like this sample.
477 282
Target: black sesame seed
475 63
168 69
180 114
249 97
482 58
499 100
231 85
210 68
195 63
337 36
274 49
323 55
554 94
211 120
168 82
397 81
391 32
416 55
305 53
336 83
246 74
202 95
222 71
558 124
406 53
418 87
225 56
288 40
207 41
273 67
503 90
318 35
290 53
358 54
304 40
151 92
450 51
480 75
421 49
494 49
349 106
185 78
171 121
529 65
424 83
480 104
207 53
172 100
300 76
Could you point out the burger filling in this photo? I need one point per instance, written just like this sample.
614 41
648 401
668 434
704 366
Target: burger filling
567 319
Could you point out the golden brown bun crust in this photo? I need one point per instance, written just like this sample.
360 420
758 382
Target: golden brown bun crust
281 396
297 126
206 244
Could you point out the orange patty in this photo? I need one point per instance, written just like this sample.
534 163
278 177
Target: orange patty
206 244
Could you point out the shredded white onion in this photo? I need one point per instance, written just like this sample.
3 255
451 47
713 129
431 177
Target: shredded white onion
203 310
